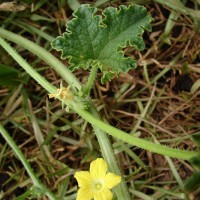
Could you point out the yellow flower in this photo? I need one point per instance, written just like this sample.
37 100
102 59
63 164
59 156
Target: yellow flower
64 94
96 183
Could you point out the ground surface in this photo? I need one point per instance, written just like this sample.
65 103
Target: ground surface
166 72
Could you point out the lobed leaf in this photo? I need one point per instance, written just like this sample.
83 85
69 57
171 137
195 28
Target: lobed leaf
91 40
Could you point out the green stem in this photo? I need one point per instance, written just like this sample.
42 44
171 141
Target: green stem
141 143
108 154
17 151
44 55
105 145
98 125
180 7
91 79
41 80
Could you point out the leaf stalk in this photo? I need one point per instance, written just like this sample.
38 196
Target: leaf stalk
90 81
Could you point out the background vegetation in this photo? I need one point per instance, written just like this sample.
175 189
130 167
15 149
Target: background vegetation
160 101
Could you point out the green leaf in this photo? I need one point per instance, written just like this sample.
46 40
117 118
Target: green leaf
91 40
195 161
196 138
8 76
193 182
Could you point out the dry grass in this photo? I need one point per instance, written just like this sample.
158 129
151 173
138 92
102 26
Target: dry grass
152 101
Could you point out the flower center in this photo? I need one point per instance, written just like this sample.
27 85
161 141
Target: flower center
98 186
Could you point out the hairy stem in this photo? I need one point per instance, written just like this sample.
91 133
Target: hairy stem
141 143
103 139
91 80
109 156
44 55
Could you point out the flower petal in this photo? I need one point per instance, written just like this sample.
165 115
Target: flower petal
112 180
104 195
98 168
84 193
84 178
